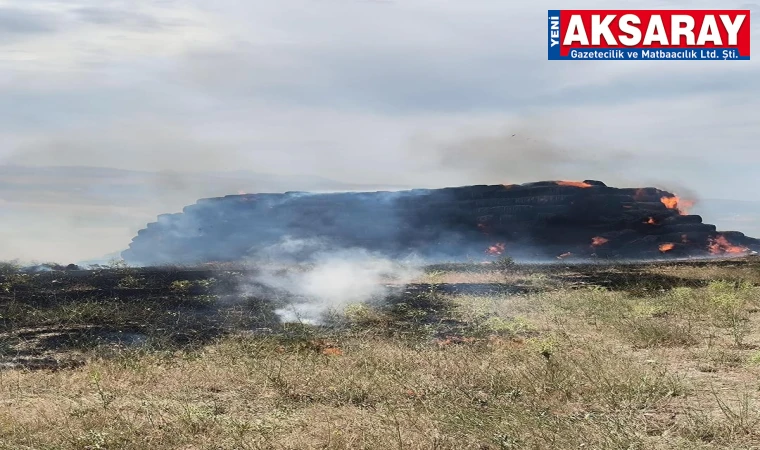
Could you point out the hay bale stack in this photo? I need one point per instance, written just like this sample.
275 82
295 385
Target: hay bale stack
534 220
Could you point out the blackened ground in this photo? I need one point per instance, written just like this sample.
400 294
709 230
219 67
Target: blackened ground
51 319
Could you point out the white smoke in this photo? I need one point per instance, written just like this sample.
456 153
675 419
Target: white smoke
332 280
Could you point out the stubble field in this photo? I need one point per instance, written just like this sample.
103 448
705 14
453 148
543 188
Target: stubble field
486 356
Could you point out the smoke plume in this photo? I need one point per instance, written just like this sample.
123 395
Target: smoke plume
330 280
530 149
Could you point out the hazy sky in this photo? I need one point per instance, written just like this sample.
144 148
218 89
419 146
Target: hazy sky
407 92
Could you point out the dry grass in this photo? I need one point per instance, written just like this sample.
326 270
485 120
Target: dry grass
733 272
564 367
374 393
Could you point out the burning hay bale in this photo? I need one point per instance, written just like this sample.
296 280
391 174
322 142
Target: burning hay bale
542 220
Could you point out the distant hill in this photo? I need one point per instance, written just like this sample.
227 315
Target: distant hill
94 185
69 214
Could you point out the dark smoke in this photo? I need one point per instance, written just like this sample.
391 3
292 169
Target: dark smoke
522 153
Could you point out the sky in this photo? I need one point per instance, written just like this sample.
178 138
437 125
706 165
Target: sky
164 99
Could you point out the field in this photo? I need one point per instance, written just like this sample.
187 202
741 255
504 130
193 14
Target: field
486 356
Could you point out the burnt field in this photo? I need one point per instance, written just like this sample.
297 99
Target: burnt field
489 355
48 317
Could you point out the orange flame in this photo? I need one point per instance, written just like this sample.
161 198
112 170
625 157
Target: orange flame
651 221
666 247
597 241
670 202
579 184
684 206
677 203
496 249
721 245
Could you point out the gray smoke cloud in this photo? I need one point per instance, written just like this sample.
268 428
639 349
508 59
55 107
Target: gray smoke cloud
530 149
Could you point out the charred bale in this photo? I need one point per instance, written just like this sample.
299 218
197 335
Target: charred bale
533 220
